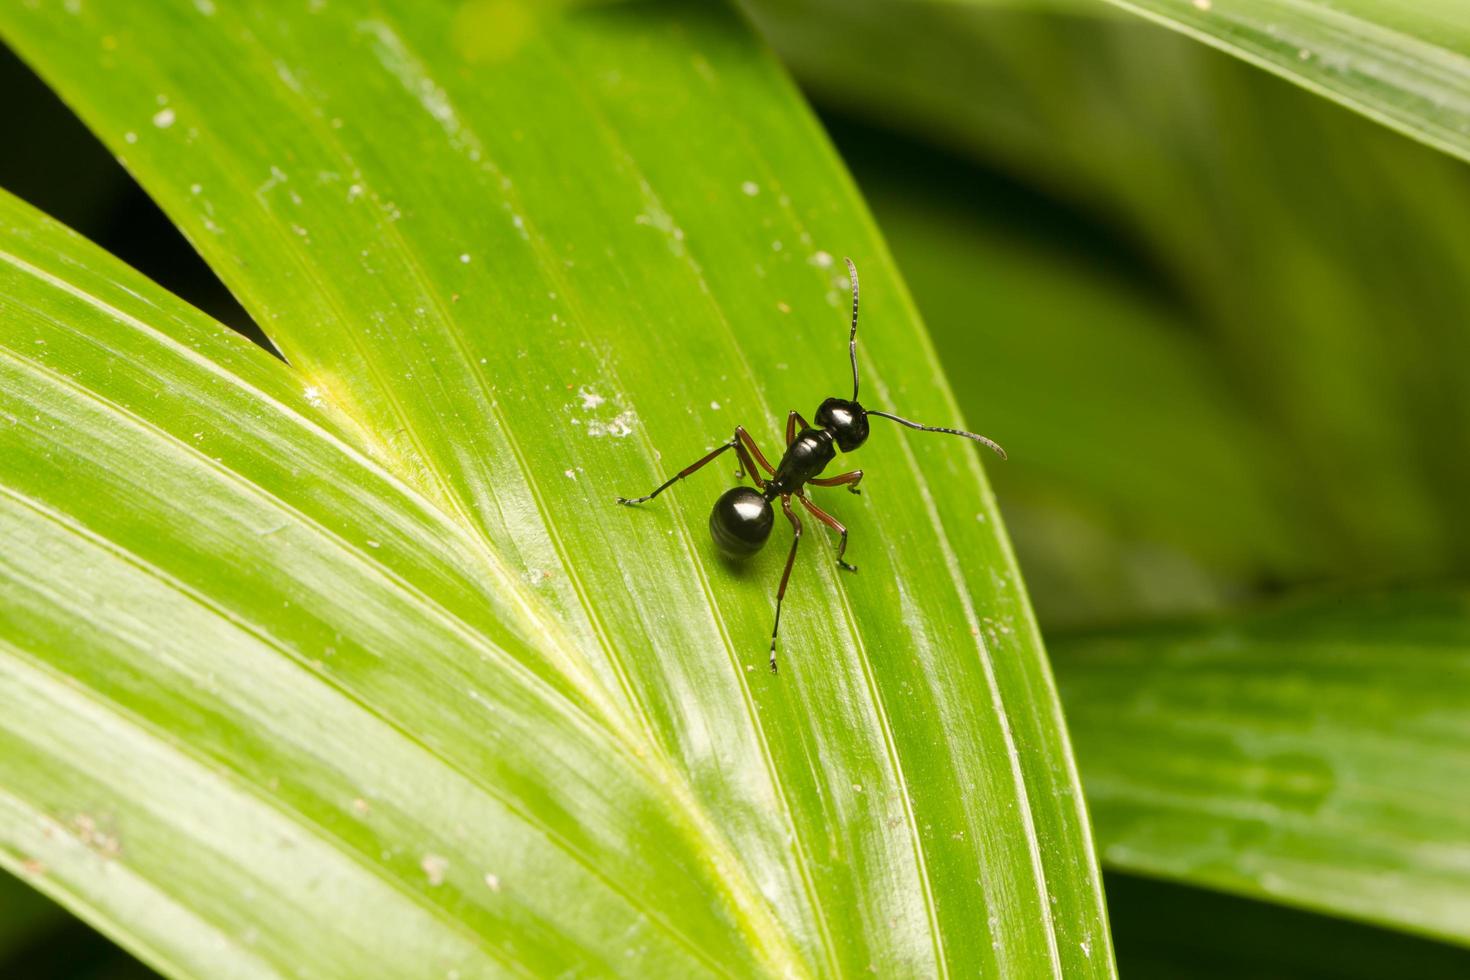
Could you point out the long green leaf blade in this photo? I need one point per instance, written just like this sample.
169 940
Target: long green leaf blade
1313 754
509 276
1406 65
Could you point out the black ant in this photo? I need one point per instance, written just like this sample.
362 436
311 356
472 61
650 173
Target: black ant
742 518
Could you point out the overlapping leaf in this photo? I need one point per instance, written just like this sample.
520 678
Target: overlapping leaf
1313 754
1407 65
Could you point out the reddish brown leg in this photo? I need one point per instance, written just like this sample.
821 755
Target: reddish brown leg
794 424
748 449
851 480
835 525
691 468
785 575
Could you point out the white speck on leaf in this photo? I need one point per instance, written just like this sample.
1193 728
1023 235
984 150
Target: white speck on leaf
590 398
620 425
570 474
434 867
822 260
492 881
715 406
277 176
313 395
751 188
465 257
164 118
131 137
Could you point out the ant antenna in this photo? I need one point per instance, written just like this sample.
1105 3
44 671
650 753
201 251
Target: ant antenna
934 428
852 337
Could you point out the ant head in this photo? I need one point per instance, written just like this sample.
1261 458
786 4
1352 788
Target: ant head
846 420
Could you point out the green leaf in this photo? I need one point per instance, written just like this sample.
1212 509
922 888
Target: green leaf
1312 754
1406 65
353 666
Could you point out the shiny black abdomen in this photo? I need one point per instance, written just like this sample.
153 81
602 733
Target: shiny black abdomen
805 458
741 522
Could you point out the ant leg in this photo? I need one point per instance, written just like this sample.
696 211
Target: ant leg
785 575
851 480
793 420
749 448
835 525
747 465
692 467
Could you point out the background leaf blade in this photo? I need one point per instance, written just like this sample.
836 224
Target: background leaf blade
1310 754
1404 65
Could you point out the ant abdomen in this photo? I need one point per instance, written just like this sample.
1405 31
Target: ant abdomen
741 522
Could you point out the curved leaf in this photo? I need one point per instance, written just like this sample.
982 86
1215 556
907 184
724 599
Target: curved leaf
391 662
1313 754
1406 65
